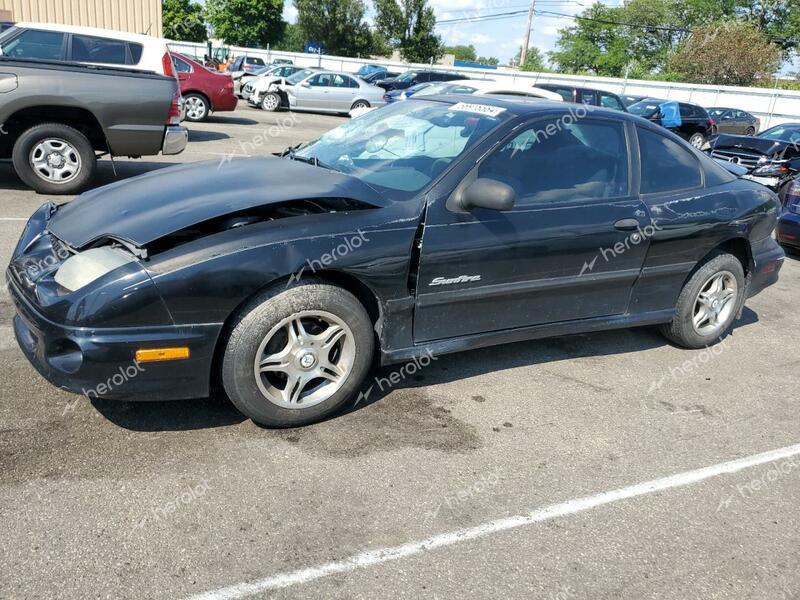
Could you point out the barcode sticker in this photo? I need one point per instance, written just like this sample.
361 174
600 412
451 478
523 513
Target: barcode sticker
479 109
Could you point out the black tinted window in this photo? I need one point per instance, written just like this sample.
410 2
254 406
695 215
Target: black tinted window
136 52
31 43
666 165
99 50
588 97
535 162
611 101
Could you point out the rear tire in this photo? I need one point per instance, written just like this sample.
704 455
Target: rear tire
360 104
54 158
750 131
697 140
709 303
281 374
197 108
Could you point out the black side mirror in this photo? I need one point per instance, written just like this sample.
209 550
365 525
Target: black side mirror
488 193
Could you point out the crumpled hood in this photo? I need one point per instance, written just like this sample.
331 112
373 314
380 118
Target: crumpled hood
262 84
149 207
751 143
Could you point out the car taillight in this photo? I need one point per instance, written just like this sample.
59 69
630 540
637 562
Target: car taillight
166 61
792 200
711 122
176 109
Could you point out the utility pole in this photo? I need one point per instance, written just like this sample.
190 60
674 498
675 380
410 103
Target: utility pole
523 55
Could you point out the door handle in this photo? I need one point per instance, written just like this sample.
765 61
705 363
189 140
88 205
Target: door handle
627 225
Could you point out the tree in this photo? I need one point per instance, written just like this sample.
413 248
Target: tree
293 40
409 26
732 53
253 23
593 45
465 53
534 60
490 60
338 24
184 21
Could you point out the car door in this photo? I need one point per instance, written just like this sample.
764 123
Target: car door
314 93
726 123
571 248
343 93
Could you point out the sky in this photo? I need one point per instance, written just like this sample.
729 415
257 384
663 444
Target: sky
499 38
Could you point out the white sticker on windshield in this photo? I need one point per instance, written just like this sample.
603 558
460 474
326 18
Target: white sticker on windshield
480 109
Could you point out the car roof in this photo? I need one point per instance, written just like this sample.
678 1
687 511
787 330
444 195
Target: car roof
93 31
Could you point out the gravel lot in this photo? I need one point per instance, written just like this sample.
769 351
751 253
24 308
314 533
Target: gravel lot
168 500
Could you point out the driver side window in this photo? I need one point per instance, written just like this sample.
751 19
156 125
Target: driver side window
554 161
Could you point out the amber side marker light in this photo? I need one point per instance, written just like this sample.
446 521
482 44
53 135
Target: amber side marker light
161 354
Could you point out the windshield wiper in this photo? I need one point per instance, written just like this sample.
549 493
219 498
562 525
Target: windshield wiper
291 154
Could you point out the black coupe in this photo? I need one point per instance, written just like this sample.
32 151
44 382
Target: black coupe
426 227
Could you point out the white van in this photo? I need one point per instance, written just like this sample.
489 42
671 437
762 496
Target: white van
87 45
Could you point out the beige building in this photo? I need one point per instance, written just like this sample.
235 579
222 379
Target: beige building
134 16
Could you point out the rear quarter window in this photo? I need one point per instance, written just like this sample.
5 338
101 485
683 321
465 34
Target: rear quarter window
667 166
99 50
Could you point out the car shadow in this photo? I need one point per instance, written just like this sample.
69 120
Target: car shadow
207 136
217 411
231 120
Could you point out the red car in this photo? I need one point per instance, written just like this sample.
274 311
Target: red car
203 90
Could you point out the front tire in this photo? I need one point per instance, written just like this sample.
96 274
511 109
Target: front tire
709 303
197 108
53 158
750 131
271 102
295 356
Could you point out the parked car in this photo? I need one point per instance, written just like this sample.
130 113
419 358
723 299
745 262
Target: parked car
628 100
412 78
57 117
323 91
771 158
256 89
204 91
788 232
400 95
281 61
370 69
696 125
485 88
733 120
245 64
86 45
243 77
585 96
411 232
377 76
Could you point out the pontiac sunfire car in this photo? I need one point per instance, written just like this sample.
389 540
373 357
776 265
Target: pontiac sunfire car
426 227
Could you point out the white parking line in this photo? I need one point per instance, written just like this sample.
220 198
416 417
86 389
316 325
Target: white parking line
14 218
382 555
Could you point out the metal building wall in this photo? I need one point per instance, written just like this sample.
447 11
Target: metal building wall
135 16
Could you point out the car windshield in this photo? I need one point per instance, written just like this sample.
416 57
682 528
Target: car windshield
645 108
447 88
407 76
782 133
402 148
299 76
716 113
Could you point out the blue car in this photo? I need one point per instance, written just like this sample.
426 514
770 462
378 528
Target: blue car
789 225
400 95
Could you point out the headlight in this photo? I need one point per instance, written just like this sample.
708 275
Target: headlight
82 269
773 169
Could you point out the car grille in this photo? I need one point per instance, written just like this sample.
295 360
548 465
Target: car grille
739 157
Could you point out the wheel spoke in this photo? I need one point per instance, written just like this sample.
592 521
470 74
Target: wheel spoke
275 364
701 317
331 371
295 383
331 336
297 332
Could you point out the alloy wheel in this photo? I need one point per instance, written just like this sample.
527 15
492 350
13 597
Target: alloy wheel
715 304
195 108
305 359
